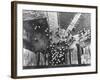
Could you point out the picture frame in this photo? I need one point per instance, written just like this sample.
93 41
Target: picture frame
51 39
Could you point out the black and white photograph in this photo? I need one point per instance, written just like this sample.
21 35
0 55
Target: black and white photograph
53 39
